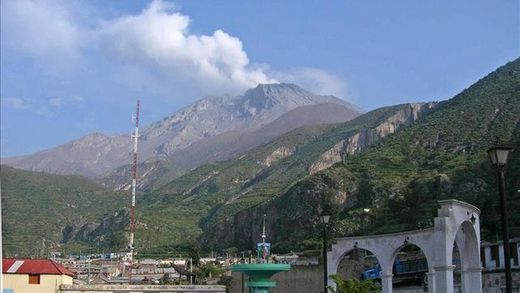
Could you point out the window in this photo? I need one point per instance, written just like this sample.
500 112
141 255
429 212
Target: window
34 279
483 256
514 252
495 255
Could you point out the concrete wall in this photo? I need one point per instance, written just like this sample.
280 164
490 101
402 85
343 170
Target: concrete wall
498 280
141 289
310 279
298 280
48 283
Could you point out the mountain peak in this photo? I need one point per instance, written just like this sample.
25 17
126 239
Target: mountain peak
281 95
278 89
278 85
205 118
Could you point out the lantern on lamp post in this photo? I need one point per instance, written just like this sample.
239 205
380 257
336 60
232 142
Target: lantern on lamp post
325 220
498 156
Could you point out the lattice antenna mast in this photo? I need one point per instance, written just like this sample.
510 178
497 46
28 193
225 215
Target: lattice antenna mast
135 137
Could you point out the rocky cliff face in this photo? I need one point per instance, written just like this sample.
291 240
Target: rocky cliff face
279 153
365 138
96 154
441 155
148 173
227 145
292 210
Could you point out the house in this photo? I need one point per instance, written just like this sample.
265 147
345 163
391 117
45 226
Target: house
493 263
34 275
147 266
492 254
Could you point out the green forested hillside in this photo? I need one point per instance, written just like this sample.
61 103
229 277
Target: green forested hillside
37 206
400 180
193 203
407 158
444 156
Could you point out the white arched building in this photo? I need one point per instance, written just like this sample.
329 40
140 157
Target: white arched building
457 223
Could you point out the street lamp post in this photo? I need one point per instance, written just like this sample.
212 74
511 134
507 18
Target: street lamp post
498 156
325 220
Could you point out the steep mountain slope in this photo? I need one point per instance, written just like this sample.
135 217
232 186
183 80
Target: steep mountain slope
157 171
397 161
213 192
89 156
400 179
37 206
96 154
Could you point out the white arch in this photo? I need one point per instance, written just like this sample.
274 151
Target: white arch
436 243
421 246
468 244
340 259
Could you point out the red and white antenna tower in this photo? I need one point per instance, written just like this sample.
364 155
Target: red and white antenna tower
135 137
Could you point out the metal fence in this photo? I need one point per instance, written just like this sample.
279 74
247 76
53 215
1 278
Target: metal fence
499 290
410 290
142 289
456 289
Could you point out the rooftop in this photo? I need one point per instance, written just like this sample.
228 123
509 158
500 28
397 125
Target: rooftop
34 266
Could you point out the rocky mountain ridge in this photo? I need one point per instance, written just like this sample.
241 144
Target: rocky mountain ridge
225 146
367 137
220 190
96 154
298 162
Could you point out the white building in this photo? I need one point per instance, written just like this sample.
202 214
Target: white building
492 254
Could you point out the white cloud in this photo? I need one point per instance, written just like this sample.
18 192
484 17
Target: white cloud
15 103
34 106
317 81
41 29
155 43
42 107
160 36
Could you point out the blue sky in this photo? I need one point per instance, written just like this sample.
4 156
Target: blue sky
69 68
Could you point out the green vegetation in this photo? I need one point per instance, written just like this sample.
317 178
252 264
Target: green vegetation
393 185
353 285
400 180
36 206
444 156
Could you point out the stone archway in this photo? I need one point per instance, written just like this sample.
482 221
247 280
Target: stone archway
436 243
457 271
356 262
410 266
467 241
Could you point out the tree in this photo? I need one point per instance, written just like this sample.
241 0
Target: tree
353 285
193 251
207 270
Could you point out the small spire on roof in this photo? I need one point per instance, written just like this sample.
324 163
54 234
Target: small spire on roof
263 231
